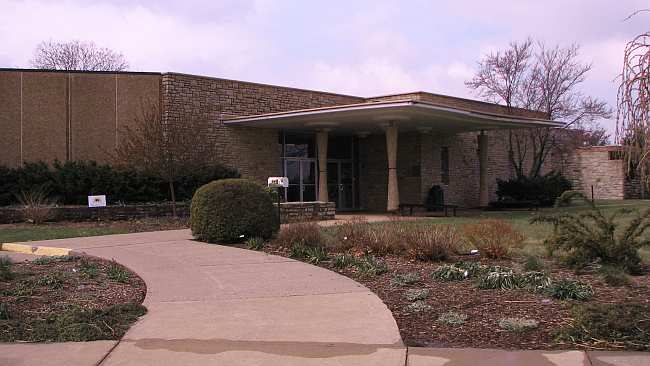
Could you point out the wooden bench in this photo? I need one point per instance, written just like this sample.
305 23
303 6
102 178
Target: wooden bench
403 207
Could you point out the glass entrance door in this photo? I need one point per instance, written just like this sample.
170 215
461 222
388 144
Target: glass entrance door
302 179
340 183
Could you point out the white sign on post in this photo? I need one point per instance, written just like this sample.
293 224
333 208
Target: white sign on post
278 182
97 201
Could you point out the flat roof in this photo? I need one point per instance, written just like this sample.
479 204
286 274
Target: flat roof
439 100
9 69
371 117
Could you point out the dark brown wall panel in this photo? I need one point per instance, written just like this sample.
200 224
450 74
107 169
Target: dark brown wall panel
92 116
10 118
44 116
134 93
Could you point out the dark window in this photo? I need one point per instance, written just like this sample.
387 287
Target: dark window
615 155
299 146
415 170
444 165
339 147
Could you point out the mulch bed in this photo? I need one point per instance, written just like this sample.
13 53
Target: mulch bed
485 307
69 299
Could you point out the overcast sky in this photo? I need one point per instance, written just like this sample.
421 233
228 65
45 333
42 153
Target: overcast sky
363 48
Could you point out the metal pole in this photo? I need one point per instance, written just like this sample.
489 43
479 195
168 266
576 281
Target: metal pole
279 212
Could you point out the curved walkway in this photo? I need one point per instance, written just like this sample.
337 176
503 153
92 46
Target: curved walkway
218 305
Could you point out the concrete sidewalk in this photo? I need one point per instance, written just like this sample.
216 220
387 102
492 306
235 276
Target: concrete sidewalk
218 305
211 304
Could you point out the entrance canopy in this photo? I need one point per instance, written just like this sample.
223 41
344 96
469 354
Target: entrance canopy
392 115
373 117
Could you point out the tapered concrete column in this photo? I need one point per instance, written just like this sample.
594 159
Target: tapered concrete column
391 154
321 145
484 196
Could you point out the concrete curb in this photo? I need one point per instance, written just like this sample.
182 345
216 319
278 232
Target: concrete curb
35 250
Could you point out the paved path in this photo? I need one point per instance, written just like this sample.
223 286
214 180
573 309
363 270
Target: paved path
217 305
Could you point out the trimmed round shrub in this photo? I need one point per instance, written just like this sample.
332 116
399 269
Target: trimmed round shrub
232 210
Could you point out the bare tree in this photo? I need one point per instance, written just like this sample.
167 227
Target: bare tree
537 77
500 74
168 150
77 55
633 102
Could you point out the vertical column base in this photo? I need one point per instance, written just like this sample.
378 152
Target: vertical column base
484 194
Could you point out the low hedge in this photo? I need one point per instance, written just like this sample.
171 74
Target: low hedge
71 182
232 210
543 189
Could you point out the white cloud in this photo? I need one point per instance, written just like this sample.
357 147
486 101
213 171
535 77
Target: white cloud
151 40
372 77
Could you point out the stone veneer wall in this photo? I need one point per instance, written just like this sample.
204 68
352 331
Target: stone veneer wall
83 213
592 166
289 212
307 211
255 152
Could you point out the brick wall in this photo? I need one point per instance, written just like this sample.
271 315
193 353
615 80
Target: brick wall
255 152
587 167
418 167
48 115
83 213
373 168
289 212
307 211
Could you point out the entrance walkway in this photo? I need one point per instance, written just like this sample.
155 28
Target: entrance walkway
218 305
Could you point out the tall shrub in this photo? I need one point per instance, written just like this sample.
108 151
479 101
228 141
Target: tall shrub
232 210
72 181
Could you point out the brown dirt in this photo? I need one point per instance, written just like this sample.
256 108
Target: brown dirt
484 307
38 291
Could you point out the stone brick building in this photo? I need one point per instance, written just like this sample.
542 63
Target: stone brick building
361 153
601 170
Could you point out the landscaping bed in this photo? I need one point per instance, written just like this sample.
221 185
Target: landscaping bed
484 308
68 298
505 298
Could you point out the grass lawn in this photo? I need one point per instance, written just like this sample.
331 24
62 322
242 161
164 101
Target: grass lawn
46 232
535 234
61 230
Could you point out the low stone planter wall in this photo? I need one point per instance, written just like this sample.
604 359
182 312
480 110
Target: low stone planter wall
290 212
307 211
83 213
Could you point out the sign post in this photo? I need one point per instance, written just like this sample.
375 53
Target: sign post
97 201
277 183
